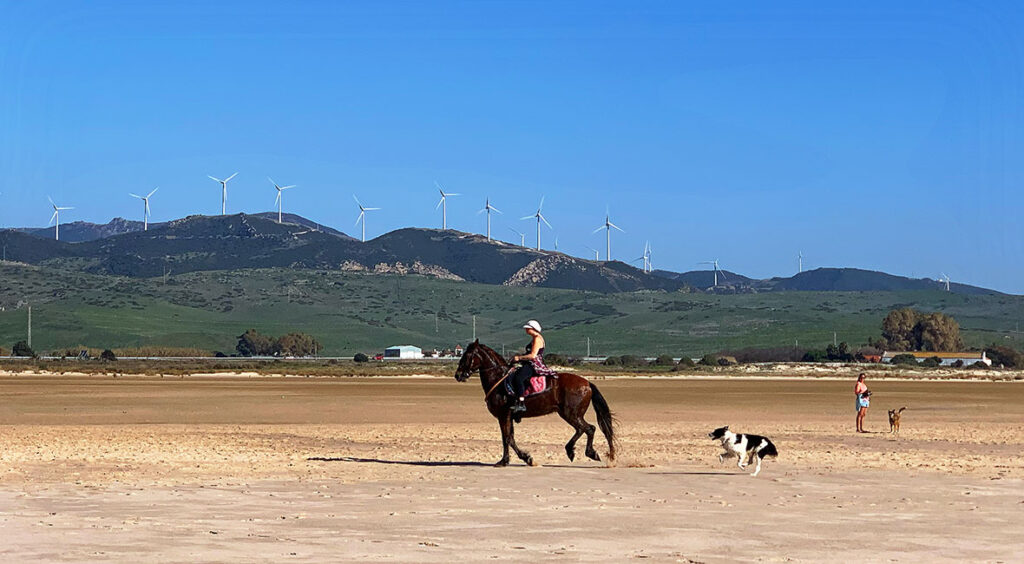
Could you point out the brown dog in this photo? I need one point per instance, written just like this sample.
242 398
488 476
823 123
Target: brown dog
894 420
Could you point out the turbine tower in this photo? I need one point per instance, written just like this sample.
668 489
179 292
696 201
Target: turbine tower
279 200
488 208
362 214
224 192
717 270
597 254
522 236
646 258
540 218
800 262
608 226
145 207
945 280
55 218
443 204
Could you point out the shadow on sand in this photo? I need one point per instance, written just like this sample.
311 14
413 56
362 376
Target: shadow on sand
438 463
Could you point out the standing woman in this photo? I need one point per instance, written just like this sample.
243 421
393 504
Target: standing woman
863 401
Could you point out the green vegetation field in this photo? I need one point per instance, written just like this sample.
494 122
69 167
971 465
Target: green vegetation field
353 312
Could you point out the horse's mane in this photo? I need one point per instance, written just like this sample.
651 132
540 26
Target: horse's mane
490 353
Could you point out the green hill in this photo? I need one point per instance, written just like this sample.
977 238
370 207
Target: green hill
356 311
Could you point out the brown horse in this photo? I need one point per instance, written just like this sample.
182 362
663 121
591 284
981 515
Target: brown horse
568 394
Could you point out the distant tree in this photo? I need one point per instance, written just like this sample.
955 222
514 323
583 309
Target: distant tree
904 359
21 348
815 356
108 355
957 363
980 365
664 360
937 332
296 344
708 360
631 361
252 343
554 359
931 362
1004 356
611 361
684 363
909 330
360 357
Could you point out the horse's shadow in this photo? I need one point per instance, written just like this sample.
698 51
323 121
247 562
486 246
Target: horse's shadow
427 463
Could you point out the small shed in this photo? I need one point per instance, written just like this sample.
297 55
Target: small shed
403 351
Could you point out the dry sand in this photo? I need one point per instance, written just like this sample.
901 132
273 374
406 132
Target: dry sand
314 470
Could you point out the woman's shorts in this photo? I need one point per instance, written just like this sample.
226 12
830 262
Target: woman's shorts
863 402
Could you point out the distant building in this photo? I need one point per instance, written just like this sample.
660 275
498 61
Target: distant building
947 358
403 351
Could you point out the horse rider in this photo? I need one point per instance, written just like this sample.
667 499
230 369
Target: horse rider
532 364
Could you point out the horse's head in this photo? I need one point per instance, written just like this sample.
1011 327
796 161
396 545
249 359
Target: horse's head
470 362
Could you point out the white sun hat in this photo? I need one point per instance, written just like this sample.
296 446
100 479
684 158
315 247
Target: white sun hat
532 324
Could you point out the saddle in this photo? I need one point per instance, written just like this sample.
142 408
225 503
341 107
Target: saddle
535 385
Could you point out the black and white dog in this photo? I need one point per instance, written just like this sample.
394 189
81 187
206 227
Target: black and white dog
744 447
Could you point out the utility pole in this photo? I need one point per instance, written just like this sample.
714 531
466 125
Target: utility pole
588 347
30 327
834 340
474 327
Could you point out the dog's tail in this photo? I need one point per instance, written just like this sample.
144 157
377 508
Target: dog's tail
605 419
768 450
900 410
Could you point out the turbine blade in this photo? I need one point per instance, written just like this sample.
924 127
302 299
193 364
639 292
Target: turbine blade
230 177
51 201
439 202
52 217
359 217
541 206
528 217
136 196
287 187
615 226
357 200
272 181
214 178
278 198
153 192
598 229
453 194
495 209
370 209
545 221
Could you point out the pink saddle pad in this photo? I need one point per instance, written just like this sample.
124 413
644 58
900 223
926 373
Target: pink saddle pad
535 385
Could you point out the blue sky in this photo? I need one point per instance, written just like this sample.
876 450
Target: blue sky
888 136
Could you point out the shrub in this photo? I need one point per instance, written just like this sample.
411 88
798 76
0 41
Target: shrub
708 360
108 355
958 364
21 348
3 352
360 357
980 365
773 354
904 359
1004 356
664 360
726 361
554 359
611 361
815 356
931 362
631 361
686 362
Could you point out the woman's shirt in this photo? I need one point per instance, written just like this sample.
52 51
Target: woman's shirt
860 388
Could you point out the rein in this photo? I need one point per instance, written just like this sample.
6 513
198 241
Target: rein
498 383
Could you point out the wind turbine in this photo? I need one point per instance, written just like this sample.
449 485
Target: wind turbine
556 243
646 258
145 207
224 192
608 226
443 204
717 270
597 254
800 262
945 280
540 218
522 236
362 214
55 218
488 208
279 200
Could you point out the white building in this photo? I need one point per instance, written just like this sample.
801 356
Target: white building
403 351
947 358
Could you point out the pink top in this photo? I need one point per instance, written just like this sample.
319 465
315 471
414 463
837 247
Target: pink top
860 388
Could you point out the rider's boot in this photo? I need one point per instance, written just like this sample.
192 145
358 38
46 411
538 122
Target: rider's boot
518 409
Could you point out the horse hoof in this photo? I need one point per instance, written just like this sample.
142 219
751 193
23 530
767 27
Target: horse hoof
529 461
594 456
501 463
571 454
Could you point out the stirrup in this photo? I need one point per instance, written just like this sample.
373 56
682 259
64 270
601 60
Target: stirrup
518 406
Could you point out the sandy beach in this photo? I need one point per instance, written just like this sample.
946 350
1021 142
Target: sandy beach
314 470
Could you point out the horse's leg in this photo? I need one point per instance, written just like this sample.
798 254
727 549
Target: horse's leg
570 447
505 422
591 453
522 454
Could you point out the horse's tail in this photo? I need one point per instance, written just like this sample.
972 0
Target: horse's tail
605 419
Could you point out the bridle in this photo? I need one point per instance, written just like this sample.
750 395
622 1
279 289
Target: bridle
492 364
